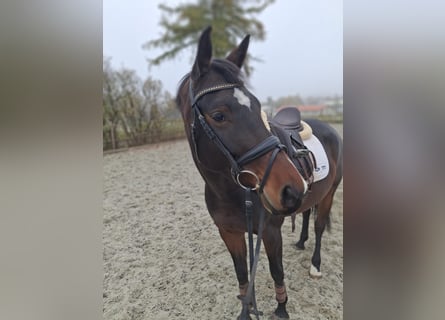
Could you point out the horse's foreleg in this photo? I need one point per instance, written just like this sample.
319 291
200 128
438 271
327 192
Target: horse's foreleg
304 230
273 244
322 218
236 244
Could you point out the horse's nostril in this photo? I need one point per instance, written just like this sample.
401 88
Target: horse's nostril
290 198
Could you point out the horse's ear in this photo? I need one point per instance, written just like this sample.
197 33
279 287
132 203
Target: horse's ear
202 61
238 55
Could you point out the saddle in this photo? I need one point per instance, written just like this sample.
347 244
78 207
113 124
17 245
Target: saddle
287 126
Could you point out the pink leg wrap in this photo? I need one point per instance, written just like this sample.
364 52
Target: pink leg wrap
243 289
280 293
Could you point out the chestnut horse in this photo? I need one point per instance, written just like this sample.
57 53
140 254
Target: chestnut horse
234 151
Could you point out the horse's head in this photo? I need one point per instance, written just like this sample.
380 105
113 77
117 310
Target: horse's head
227 132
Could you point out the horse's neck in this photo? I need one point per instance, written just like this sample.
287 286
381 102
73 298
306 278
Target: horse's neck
219 183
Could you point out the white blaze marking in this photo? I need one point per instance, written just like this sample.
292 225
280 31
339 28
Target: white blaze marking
242 98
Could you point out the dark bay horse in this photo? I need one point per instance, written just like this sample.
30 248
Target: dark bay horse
233 150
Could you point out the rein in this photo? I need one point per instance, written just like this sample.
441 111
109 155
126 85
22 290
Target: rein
254 257
265 146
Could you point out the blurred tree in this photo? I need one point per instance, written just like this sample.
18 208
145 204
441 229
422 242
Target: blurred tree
313 100
231 21
133 109
152 92
289 101
134 118
111 96
170 111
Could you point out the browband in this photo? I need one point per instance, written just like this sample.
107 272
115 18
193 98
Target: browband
211 89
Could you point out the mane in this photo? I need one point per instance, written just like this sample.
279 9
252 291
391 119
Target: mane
228 70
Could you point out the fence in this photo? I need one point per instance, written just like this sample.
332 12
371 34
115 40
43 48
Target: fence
168 130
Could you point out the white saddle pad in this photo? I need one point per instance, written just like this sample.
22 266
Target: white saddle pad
322 169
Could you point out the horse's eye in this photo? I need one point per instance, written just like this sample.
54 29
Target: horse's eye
218 117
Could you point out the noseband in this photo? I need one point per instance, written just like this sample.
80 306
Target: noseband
265 146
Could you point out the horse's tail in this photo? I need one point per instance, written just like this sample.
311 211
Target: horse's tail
338 175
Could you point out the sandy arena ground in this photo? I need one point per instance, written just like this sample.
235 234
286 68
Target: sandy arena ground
164 259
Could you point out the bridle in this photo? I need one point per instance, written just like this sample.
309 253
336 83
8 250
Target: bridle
236 164
271 143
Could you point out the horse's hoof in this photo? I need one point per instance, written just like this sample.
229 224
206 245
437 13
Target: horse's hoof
300 246
314 273
280 315
243 317
280 312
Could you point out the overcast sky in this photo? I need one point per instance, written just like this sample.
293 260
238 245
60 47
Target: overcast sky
302 53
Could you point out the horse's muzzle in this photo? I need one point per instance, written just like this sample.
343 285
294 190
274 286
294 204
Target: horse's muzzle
291 199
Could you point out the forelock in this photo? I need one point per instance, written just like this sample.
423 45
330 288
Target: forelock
228 70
